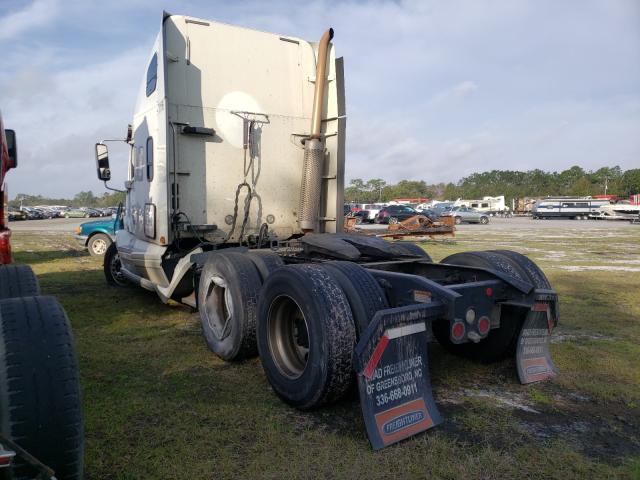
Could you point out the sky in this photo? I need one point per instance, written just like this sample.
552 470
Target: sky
435 90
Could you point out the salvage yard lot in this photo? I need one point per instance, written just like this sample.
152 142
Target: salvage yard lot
159 405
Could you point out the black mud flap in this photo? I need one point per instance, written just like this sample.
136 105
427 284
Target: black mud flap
393 375
532 355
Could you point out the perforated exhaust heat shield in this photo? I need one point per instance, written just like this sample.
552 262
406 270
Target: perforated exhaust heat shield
311 189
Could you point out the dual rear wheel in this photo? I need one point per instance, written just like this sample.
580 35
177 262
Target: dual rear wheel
304 320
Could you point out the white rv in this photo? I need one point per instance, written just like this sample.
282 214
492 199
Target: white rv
578 208
490 205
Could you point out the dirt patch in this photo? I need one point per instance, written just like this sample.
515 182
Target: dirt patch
568 337
607 433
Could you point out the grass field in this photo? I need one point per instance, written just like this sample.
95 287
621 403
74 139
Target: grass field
159 405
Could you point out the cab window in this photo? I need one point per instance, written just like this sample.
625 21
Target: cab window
152 75
150 158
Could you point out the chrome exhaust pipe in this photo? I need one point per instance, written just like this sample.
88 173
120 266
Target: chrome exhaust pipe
313 163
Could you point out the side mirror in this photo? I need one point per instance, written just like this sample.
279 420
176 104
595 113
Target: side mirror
12 147
102 162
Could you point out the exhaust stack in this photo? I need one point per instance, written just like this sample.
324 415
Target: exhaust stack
313 163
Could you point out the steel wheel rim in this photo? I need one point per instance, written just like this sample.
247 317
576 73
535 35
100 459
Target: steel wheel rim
99 246
218 307
288 336
114 267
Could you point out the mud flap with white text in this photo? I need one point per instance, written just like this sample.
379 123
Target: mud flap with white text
533 358
393 376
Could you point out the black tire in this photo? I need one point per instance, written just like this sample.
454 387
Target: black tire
18 281
392 220
39 385
412 249
500 342
359 220
266 262
303 308
457 220
111 267
228 304
98 244
534 273
484 220
364 293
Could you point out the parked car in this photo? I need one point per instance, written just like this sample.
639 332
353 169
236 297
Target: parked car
98 235
466 214
15 215
395 213
362 216
33 213
76 213
372 209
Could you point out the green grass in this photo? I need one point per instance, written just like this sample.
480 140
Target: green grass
159 405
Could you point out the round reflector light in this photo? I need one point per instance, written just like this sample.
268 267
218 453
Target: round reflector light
483 325
457 331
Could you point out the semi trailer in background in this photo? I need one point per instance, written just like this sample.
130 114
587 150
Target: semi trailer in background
234 206
40 410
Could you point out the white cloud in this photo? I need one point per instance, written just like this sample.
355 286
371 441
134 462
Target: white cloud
37 14
456 92
59 115
435 90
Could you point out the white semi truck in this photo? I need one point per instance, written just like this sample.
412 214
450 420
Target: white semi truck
234 206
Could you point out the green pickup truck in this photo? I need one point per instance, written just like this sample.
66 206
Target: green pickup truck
97 235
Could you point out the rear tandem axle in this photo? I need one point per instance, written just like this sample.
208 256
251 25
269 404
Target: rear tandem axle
316 318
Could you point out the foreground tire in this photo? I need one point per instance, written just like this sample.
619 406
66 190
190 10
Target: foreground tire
228 304
111 267
364 293
457 220
412 249
306 336
501 341
98 244
40 401
266 262
18 281
484 220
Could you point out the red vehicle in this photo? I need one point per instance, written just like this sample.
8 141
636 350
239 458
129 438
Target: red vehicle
41 416
9 156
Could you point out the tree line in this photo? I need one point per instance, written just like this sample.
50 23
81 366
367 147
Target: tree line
510 183
574 181
80 199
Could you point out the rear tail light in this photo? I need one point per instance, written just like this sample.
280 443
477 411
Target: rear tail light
457 331
5 247
484 324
